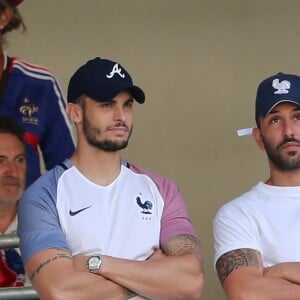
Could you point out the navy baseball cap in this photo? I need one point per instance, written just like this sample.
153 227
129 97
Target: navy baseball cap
275 89
102 79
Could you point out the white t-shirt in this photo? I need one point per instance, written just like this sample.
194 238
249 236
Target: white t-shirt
266 219
130 218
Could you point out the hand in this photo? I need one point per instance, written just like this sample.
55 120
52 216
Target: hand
276 271
79 263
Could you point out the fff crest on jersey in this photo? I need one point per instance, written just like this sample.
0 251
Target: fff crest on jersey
145 205
281 87
28 110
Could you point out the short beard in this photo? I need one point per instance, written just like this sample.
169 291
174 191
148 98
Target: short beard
278 160
91 134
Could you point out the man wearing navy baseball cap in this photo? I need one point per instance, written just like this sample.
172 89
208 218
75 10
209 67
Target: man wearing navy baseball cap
256 234
107 229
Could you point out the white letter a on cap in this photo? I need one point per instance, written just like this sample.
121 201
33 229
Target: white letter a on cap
115 70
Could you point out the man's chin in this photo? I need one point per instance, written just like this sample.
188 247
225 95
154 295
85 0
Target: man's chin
289 164
115 148
12 189
110 145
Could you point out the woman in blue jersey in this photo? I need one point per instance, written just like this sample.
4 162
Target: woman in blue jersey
31 95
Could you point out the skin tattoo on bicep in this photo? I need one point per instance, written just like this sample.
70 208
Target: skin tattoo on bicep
183 244
64 254
232 260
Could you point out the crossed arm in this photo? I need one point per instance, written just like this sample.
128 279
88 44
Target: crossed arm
174 272
242 276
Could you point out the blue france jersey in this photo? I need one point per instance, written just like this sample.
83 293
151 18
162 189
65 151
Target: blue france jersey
32 96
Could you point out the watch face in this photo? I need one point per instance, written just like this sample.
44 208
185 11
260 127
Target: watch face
94 262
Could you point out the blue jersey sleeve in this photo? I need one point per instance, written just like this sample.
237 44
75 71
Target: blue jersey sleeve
38 221
57 141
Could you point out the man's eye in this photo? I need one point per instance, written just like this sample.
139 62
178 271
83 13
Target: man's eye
106 105
274 120
21 160
129 104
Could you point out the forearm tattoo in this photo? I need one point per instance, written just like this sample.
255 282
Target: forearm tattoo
183 244
64 254
232 260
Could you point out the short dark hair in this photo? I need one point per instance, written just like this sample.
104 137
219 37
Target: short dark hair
8 125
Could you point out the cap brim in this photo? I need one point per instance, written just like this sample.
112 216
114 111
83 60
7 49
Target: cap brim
137 94
281 101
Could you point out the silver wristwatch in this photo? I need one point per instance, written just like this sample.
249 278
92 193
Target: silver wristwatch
93 263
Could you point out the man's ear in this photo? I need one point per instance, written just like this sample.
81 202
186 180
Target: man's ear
256 133
74 112
5 17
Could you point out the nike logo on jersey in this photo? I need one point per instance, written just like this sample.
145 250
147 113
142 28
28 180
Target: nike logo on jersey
74 213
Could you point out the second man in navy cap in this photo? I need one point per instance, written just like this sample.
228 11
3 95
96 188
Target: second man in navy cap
256 235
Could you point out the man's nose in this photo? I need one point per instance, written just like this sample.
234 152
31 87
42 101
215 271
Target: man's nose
11 168
119 113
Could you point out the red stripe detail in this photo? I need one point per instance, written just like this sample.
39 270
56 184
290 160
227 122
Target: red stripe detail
32 140
30 65
10 66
